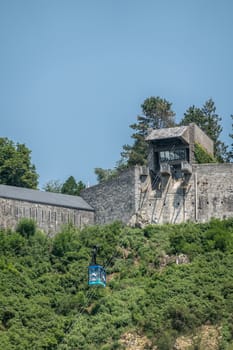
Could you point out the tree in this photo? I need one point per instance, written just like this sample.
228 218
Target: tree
16 168
210 122
71 187
156 114
105 174
53 186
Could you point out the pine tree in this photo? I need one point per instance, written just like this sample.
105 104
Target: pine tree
210 122
157 113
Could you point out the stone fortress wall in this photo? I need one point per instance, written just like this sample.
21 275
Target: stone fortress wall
173 191
115 199
133 198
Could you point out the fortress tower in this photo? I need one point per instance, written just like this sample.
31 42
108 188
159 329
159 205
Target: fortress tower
172 189
172 150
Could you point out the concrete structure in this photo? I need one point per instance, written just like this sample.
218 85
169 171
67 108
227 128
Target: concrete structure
174 147
49 210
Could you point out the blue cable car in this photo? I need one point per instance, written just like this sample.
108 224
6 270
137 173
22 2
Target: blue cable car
96 272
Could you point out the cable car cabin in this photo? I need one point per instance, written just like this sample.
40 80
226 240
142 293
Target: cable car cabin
96 276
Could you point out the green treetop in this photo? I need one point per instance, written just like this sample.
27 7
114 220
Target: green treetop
70 186
210 122
16 168
157 113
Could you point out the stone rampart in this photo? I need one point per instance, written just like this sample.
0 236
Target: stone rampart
115 199
136 198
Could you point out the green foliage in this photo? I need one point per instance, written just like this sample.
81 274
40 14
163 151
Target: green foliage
15 165
201 156
216 235
157 113
210 122
45 302
26 227
53 186
70 186
105 174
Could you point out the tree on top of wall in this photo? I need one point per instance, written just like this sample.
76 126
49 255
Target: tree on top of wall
157 113
16 168
105 174
210 122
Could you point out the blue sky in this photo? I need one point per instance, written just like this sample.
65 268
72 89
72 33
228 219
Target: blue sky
74 73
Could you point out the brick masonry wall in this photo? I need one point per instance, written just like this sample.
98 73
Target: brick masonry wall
48 218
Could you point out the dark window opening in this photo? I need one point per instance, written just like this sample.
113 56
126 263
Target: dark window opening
166 156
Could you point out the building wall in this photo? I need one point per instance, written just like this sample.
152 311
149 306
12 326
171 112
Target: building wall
49 218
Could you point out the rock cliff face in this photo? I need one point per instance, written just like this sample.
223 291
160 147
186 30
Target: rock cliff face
206 337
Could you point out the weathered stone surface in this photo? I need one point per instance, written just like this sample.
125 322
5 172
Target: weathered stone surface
48 218
114 199
206 194
135 200
138 199
134 341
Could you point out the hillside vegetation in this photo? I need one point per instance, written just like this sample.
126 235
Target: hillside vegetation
45 302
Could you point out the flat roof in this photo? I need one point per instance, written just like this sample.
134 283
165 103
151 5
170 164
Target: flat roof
166 133
43 197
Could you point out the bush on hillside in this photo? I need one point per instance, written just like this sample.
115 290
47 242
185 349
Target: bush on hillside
26 227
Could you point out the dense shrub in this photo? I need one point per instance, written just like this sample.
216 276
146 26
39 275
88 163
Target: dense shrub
45 302
26 227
